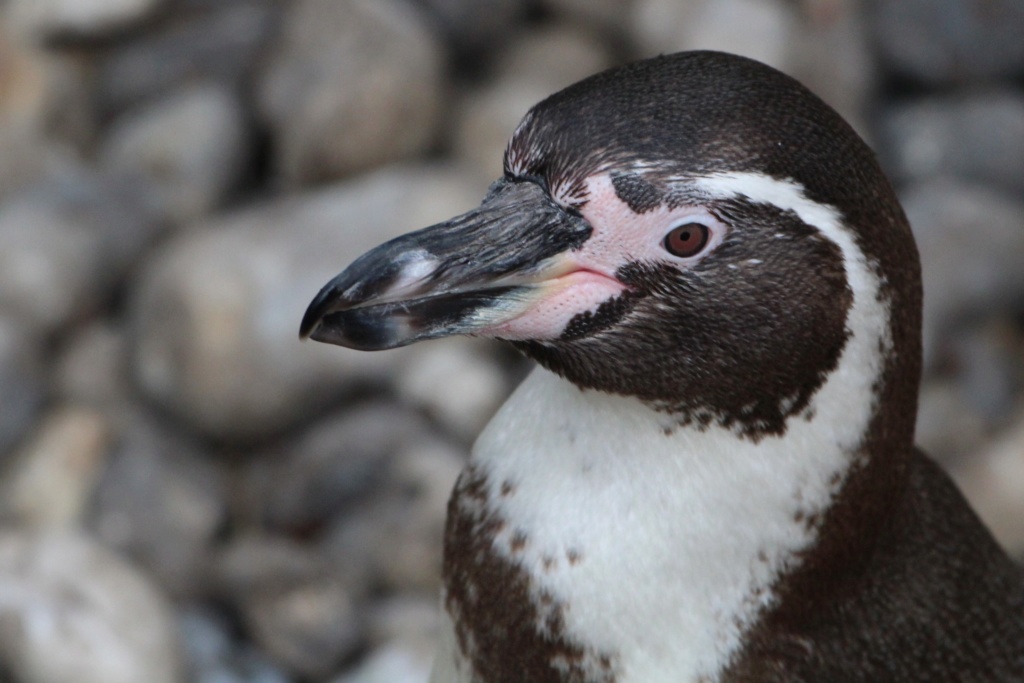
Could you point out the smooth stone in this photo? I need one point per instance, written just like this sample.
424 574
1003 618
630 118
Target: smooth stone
54 473
192 145
161 501
532 67
217 311
354 84
48 19
457 382
949 41
949 428
474 27
993 481
393 542
296 609
221 42
22 384
91 367
971 242
214 655
45 112
303 484
411 621
390 664
765 30
610 17
975 136
66 242
74 611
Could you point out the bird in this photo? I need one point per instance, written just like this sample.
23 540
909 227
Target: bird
710 475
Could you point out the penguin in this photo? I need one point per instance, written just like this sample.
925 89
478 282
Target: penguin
710 476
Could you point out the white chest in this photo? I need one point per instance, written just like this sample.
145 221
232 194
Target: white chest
661 545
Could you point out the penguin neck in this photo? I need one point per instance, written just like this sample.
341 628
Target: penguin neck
648 535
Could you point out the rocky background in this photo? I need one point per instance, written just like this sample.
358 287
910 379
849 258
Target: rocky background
188 493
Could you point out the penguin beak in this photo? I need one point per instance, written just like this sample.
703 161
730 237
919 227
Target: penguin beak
467 275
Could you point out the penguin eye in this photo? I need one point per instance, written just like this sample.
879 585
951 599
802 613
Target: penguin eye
687 240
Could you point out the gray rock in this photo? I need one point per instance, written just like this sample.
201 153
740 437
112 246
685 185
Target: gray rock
472 27
531 68
303 484
993 480
46 19
296 609
91 368
66 242
609 16
354 85
949 41
216 314
192 145
44 112
971 241
54 473
823 43
22 386
832 55
214 656
73 611
948 428
977 136
390 664
457 381
160 501
395 540
410 621
222 43
765 30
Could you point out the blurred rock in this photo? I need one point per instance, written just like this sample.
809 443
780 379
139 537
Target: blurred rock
412 622
55 471
72 611
161 501
217 312
43 104
948 427
47 19
472 27
949 41
539 64
302 485
294 607
91 368
457 382
65 242
354 85
214 656
21 382
395 539
989 358
993 480
765 30
832 56
221 44
390 664
977 137
191 145
609 16
971 241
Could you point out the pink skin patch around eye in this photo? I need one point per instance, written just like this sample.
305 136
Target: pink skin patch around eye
586 278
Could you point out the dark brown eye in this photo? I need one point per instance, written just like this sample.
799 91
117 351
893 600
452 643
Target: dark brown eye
687 240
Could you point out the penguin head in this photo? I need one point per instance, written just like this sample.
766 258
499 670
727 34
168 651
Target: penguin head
696 230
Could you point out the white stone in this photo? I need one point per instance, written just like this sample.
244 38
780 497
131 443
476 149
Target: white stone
73 611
